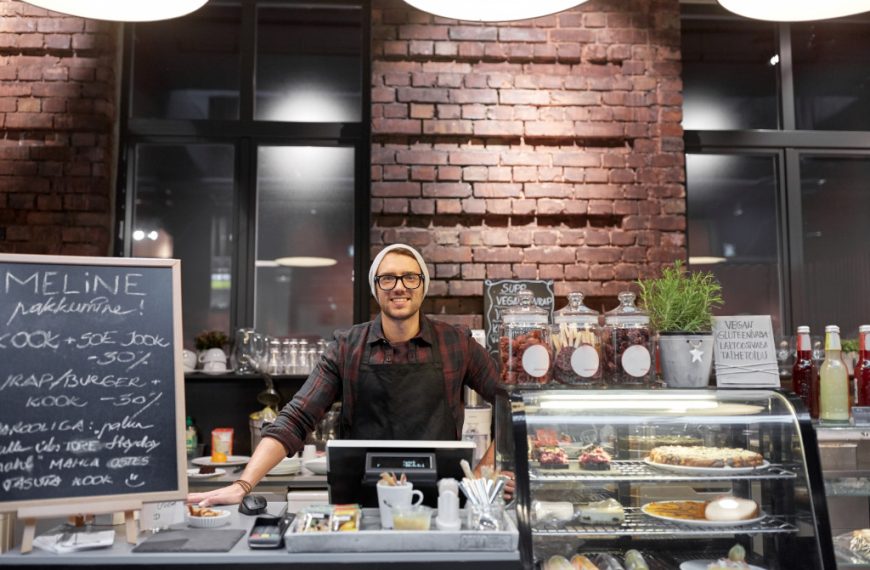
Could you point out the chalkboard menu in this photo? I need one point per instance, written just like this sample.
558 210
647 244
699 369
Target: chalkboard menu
90 384
501 295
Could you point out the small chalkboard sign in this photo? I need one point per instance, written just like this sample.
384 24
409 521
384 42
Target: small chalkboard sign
502 295
91 384
745 352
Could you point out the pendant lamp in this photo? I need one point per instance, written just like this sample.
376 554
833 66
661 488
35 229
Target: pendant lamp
493 10
121 10
795 10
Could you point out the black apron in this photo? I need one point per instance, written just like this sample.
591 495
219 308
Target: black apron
399 401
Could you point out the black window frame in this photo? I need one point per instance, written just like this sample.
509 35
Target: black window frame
247 134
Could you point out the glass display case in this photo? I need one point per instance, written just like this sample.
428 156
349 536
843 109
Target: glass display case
682 476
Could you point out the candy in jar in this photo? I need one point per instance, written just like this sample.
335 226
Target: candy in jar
626 343
524 343
576 339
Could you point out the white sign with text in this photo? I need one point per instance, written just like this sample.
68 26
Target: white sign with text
745 352
160 515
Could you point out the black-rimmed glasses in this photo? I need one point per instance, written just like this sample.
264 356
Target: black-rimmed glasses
409 281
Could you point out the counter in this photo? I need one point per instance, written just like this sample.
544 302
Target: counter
121 555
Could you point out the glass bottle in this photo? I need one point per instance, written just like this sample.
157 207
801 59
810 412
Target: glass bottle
626 343
833 381
302 362
190 439
804 377
524 343
862 367
576 339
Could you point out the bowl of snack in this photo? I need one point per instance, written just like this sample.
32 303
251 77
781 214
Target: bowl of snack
415 517
206 517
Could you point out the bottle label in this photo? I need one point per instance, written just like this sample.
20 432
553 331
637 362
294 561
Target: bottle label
866 343
536 361
636 361
832 341
803 342
584 361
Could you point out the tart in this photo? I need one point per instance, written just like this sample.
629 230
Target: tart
593 458
552 457
704 456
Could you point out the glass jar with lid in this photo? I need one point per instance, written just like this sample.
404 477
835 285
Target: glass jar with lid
576 339
524 343
627 343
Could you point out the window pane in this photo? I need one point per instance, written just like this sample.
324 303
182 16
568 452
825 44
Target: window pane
188 68
831 287
309 64
831 81
305 207
729 78
184 210
733 229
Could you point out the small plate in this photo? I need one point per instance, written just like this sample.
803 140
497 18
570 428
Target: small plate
702 565
316 466
195 474
231 460
210 522
688 470
696 522
216 372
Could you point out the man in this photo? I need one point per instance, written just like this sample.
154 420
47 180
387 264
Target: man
399 376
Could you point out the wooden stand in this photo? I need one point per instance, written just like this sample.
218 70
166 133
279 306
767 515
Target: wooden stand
75 511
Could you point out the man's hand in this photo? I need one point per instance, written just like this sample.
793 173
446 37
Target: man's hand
510 486
229 495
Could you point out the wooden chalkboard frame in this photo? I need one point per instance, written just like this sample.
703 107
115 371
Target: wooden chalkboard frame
120 502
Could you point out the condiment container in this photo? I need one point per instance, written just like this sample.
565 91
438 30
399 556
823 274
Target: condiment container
576 339
524 343
626 344
414 517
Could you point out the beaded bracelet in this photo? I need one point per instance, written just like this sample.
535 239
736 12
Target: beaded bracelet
247 487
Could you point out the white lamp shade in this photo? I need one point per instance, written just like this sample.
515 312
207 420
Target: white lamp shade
121 10
493 10
795 10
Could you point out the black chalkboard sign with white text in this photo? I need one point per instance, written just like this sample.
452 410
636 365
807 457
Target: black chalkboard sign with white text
501 295
90 383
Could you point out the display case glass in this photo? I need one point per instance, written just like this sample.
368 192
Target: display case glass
682 476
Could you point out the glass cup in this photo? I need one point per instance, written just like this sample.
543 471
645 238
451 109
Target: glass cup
489 517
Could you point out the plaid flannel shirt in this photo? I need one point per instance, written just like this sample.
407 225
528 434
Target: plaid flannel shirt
464 362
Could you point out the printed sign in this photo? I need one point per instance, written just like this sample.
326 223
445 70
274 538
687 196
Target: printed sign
502 295
745 352
91 388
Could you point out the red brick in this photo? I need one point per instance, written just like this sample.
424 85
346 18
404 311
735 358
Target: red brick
446 190
394 189
497 255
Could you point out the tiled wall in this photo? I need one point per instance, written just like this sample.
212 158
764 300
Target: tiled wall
549 148
57 113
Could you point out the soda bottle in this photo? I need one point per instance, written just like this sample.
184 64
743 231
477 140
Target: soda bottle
804 377
833 381
862 367
190 439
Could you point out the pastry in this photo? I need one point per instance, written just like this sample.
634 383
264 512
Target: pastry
195 511
731 509
689 510
634 560
207 469
704 456
553 510
557 563
860 542
593 458
608 511
580 562
552 457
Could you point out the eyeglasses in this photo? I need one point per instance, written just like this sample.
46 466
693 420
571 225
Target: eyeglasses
409 281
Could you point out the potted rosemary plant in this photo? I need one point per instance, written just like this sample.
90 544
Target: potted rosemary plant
680 305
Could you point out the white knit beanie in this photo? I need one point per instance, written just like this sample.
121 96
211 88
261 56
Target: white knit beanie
380 257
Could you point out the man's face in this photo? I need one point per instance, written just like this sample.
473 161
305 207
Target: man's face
400 303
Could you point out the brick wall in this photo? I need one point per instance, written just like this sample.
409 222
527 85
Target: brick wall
549 148
57 113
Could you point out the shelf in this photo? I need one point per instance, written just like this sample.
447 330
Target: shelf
640 471
638 524
199 375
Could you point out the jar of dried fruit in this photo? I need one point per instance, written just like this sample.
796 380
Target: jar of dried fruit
524 343
576 339
626 344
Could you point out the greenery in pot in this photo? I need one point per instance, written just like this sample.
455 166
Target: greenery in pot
210 339
680 300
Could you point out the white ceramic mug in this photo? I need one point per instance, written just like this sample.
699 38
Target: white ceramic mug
390 496
215 366
188 358
213 355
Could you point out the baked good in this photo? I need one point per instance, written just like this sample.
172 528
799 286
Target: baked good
699 456
553 510
593 458
634 560
196 511
860 542
688 510
552 457
736 560
730 508
580 562
557 563
608 511
207 469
